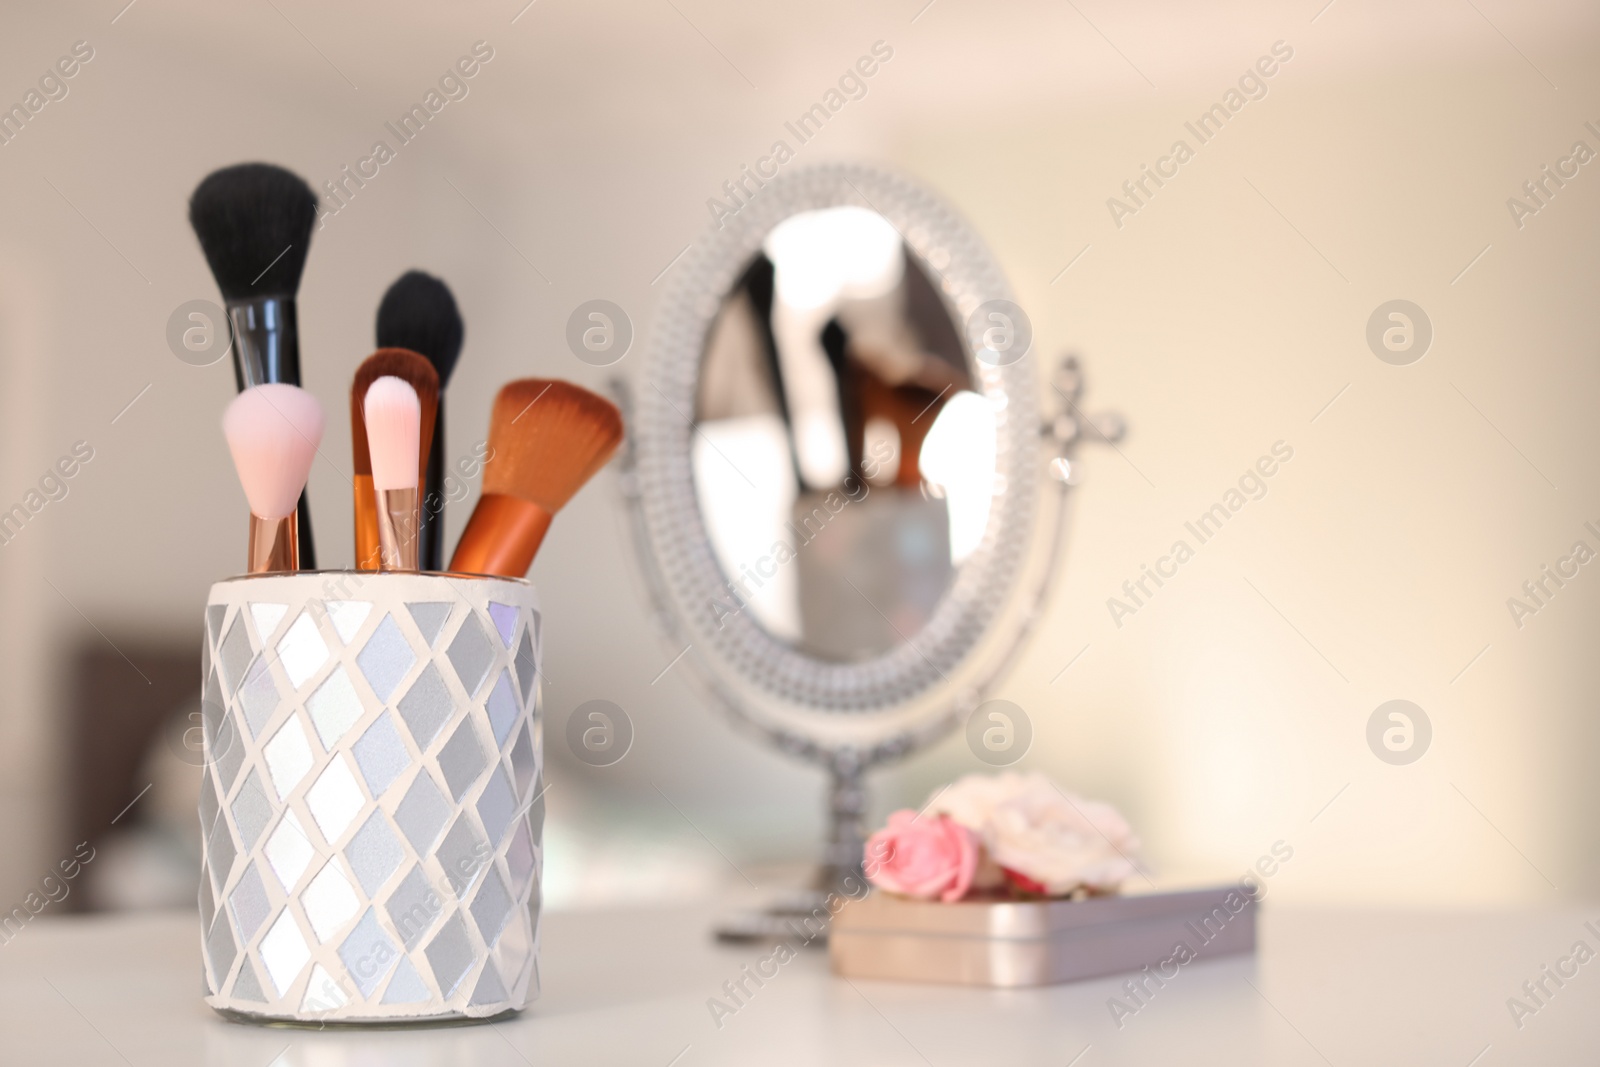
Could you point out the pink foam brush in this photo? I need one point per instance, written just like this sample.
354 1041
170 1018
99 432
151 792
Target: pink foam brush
393 414
273 432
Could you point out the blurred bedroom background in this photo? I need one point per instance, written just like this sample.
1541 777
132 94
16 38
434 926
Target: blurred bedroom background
1221 311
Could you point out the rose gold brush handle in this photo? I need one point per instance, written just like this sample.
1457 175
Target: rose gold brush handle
274 544
397 529
502 536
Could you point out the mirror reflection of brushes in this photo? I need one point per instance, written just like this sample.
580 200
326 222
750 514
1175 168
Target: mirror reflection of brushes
546 439
419 374
273 432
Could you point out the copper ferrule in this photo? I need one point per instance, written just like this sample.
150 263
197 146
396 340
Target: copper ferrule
502 536
366 506
274 545
397 529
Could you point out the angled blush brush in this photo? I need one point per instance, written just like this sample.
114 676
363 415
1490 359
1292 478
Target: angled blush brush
547 438
419 313
419 374
273 432
254 224
393 417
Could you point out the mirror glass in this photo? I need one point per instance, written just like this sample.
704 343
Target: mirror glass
843 462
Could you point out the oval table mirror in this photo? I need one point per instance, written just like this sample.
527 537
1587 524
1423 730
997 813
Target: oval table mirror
836 457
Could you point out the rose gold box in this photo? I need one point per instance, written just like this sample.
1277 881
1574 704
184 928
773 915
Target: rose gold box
1014 943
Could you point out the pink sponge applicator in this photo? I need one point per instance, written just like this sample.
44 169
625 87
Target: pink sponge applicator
273 432
393 415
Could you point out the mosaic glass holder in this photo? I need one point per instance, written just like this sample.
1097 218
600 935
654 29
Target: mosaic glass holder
372 802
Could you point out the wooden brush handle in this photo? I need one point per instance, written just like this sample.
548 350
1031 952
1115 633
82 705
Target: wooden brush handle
502 537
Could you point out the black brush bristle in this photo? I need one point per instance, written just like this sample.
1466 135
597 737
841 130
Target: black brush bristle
419 313
254 223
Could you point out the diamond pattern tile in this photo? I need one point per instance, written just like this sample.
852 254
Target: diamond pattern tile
407 987
491 907
522 762
329 901
504 617
222 950
235 655
220 854
209 806
334 707
426 706
334 799
413 907
462 854
430 619
215 613
527 665
284 951
374 853
289 851
496 806
368 953
288 757
347 617
248 985
249 903
226 751
385 658
422 814
471 654
381 755
258 696
502 708
461 760
301 650
251 810
267 617
450 954
490 989
208 902
323 994
519 857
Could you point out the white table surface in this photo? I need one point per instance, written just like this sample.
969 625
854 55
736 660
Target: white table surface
631 988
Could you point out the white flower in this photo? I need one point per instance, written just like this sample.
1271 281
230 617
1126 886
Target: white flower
1053 838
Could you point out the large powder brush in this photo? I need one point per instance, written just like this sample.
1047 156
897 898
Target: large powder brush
417 372
546 439
273 432
254 224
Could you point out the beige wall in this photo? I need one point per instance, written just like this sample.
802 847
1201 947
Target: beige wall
1219 319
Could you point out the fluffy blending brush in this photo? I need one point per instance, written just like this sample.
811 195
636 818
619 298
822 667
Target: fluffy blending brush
394 430
546 439
419 313
273 432
254 224
419 374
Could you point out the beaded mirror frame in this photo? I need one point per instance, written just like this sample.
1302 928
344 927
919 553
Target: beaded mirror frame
766 674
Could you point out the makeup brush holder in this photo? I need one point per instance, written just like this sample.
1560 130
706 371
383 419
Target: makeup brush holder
372 800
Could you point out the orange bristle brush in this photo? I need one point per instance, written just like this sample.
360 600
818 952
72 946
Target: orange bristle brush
546 439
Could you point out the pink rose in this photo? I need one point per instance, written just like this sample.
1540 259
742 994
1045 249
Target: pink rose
929 857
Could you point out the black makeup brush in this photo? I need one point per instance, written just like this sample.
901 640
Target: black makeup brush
254 224
419 313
